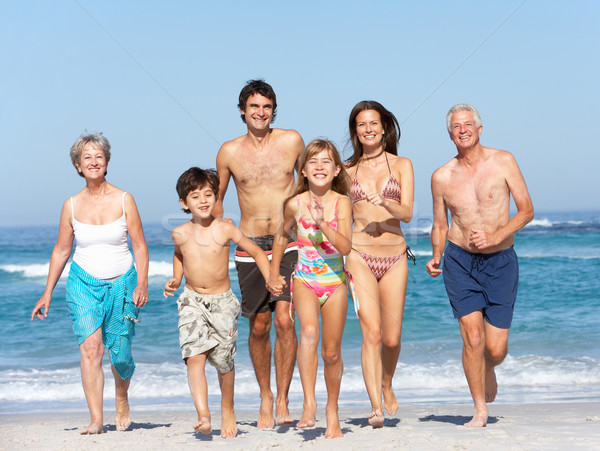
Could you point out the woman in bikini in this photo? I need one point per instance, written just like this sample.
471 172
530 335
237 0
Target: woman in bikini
382 197
104 289
322 216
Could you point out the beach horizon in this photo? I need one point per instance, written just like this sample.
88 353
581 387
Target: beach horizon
572 425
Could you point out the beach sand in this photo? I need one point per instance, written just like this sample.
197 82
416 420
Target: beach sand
556 426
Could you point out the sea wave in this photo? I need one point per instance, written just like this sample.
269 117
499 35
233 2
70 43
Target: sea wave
524 374
40 270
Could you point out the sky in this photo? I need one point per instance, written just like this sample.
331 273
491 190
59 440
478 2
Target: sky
161 81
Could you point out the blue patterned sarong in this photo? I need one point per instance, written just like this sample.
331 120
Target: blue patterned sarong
94 303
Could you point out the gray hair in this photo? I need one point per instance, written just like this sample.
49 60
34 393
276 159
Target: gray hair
97 139
463 107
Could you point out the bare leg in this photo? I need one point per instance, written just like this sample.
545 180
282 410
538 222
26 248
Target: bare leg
496 348
92 378
122 417
367 291
196 366
307 308
392 292
259 344
333 319
285 360
228 426
471 327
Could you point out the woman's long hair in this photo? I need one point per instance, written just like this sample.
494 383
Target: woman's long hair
390 124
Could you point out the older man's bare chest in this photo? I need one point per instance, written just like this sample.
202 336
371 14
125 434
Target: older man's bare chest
475 193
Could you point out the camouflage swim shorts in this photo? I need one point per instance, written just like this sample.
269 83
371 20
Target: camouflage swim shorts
208 324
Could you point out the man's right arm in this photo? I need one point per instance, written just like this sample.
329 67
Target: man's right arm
224 175
439 229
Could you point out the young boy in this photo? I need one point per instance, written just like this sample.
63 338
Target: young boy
208 309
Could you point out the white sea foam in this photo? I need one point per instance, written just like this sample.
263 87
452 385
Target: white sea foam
544 222
574 377
36 270
33 270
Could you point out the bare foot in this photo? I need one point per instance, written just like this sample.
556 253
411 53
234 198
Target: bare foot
228 426
282 413
479 420
491 385
122 418
265 415
333 424
389 400
203 425
92 429
376 419
309 416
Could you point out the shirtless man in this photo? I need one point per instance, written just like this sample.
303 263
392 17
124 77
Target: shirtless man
262 164
480 267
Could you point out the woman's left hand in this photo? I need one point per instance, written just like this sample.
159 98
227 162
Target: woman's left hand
140 296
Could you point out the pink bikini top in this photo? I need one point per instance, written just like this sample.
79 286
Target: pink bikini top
390 191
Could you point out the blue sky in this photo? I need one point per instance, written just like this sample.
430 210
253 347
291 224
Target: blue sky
161 80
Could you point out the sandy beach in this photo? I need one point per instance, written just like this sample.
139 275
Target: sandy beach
557 426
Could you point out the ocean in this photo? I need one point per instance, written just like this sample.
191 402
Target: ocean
554 352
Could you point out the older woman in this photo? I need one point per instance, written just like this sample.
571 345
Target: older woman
104 290
382 197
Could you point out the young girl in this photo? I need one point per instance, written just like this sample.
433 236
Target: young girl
321 213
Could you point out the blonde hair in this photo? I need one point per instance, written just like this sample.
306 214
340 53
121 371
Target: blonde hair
341 182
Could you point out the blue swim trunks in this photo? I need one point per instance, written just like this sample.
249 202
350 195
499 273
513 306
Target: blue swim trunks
486 282
95 303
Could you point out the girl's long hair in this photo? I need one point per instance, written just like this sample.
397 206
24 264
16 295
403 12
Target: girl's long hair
341 182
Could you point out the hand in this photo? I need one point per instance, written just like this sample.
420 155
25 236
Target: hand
140 296
171 286
483 240
433 267
275 284
229 220
376 199
316 209
43 303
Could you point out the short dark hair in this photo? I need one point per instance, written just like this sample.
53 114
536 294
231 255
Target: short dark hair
257 87
390 127
195 178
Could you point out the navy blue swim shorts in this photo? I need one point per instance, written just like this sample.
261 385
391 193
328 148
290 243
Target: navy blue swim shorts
486 282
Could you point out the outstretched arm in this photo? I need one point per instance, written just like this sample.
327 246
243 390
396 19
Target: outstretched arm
224 175
140 251
174 282
60 255
276 280
439 229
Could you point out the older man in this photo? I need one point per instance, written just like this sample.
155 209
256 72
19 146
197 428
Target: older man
480 266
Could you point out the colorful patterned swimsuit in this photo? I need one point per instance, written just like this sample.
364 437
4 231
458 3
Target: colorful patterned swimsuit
320 265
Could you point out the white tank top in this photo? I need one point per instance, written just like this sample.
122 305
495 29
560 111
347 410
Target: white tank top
101 250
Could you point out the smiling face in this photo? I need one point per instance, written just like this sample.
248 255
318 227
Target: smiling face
92 162
258 112
369 129
464 131
200 202
320 169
